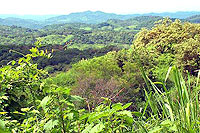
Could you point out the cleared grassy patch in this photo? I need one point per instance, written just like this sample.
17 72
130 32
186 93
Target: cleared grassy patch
55 39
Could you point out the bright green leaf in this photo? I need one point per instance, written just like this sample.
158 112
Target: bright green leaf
155 130
25 109
50 125
44 102
2 125
2 113
127 105
98 128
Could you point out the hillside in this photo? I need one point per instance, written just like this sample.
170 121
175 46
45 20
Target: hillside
13 35
82 40
113 31
26 23
132 90
194 19
135 23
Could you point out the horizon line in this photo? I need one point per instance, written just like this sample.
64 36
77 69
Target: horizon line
99 11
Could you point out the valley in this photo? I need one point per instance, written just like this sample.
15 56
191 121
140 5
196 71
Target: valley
96 72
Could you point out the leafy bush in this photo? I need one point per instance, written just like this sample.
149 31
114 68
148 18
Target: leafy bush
104 76
44 106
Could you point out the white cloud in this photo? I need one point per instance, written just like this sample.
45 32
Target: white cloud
116 6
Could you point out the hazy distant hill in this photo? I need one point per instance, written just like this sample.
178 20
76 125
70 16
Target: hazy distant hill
27 23
133 24
112 31
194 19
33 17
88 17
179 15
98 16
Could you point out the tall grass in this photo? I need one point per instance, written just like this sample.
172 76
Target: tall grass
174 109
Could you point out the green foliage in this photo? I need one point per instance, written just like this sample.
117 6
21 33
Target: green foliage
188 54
161 69
113 75
61 59
96 95
174 109
20 85
13 35
49 107
109 117
169 110
177 42
110 32
55 39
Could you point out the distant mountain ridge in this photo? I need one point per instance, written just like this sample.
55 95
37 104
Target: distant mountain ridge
179 15
89 17
194 19
26 23
98 16
33 17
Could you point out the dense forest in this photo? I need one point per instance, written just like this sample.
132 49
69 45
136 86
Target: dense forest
112 31
71 42
134 75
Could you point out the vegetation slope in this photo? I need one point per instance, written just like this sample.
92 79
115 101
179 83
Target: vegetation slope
137 96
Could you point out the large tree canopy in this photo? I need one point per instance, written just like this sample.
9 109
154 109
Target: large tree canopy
175 40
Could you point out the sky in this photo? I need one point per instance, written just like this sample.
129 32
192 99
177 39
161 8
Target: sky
44 7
